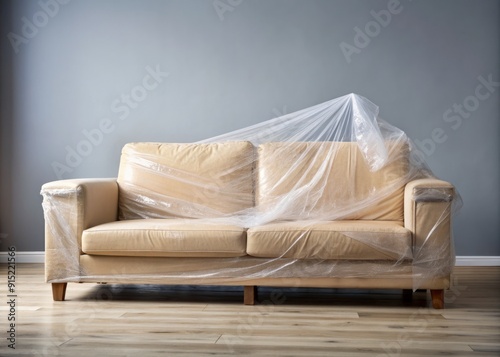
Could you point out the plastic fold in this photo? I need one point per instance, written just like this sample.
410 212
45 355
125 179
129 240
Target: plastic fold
327 193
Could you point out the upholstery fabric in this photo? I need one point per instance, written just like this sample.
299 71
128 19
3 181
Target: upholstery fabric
164 238
185 180
346 187
346 240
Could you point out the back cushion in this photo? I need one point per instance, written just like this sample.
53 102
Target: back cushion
329 180
185 180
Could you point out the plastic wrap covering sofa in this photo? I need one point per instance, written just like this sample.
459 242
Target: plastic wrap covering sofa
330 196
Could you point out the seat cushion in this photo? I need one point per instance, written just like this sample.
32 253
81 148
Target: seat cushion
187 180
347 240
329 181
165 238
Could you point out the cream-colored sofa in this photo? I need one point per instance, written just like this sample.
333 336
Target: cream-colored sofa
211 214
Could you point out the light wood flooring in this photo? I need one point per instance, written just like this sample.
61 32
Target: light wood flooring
148 320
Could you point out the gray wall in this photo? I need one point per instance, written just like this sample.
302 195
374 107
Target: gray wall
66 74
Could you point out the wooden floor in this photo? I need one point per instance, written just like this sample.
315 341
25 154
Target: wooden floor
127 320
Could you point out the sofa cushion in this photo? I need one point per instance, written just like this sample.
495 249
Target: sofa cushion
329 181
165 238
346 240
185 180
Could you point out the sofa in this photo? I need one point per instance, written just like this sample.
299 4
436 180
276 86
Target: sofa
281 214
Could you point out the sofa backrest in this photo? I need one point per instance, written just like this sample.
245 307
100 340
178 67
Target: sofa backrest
185 180
329 180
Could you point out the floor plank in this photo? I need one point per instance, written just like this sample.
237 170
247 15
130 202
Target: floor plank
152 320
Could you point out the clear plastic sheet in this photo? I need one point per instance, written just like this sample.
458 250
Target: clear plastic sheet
327 193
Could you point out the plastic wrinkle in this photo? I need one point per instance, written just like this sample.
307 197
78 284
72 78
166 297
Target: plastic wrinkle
433 195
61 192
330 191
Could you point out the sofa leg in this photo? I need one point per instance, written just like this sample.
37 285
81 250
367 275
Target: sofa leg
59 291
437 298
249 293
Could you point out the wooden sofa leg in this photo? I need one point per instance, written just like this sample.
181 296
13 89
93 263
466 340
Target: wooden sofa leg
59 291
249 293
437 298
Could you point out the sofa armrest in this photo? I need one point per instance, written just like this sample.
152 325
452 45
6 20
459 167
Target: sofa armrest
427 213
70 207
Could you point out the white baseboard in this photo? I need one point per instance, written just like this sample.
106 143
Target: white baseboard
39 257
24 257
479 261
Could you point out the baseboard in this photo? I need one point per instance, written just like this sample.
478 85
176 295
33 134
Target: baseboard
39 257
24 257
480 261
